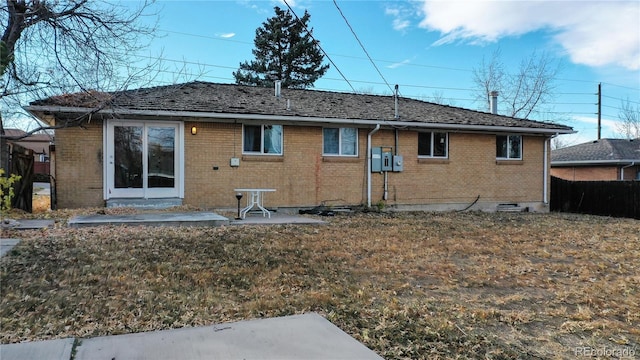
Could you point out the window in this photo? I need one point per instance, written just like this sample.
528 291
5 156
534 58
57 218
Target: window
262 139
433 144
509 147
340 141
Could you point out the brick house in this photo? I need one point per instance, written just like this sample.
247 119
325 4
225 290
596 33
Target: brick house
599 160
195 143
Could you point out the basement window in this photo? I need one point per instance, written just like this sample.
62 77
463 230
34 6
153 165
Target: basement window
340 141
433 144
262 139
509 147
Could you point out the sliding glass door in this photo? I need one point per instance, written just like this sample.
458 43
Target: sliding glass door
143 160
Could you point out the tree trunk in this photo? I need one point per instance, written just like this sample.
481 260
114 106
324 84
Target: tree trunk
4 150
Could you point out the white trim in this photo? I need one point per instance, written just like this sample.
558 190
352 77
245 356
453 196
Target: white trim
433 145
545 170
211 117
340 154
261 152
508 158
593 162
180 174
145 192
624 167
105 168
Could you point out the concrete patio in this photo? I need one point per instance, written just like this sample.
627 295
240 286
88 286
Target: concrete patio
196 218
307 336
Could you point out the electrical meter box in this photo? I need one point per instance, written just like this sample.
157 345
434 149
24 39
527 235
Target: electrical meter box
381 159
398 163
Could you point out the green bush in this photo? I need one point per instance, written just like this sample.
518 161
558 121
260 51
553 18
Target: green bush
6 191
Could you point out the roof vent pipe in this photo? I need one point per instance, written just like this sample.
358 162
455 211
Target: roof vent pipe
278 84
493 102
396 100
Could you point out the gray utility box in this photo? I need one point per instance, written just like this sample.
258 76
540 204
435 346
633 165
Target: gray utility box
382 159
398 164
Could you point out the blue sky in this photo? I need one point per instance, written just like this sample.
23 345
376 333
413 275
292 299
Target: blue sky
429 48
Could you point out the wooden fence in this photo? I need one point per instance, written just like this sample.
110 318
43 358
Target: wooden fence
22 164
608 198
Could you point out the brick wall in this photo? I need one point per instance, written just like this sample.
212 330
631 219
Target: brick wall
596 173
79 166
304 178
471 170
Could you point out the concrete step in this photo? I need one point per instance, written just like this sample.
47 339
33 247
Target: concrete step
161 203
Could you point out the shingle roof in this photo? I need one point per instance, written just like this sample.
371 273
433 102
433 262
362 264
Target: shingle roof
203 97
607 150
18 133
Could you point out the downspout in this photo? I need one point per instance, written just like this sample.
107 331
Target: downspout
624 167
369 163
545 171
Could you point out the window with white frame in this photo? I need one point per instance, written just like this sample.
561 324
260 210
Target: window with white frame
509 147
340 141
433 144
262 139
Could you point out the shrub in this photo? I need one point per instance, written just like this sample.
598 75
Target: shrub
6 191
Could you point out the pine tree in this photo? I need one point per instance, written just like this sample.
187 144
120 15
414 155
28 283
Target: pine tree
284 51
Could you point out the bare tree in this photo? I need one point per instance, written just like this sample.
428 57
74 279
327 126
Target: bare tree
437 97
629 115
560 142
50 47
488 77
523 92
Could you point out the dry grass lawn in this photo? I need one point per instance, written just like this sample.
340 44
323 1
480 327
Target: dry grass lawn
407 285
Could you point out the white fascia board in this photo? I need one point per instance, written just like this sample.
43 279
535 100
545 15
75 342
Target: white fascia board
594 162
231 117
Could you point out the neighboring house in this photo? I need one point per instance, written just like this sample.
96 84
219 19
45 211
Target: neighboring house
39 143
195 143
599 160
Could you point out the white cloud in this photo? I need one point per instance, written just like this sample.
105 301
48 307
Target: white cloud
282 3
227 35
400 17
593 33
609 123
398 64
587 127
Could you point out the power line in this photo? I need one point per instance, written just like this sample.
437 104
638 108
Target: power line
361 45
615 98
391 61
317 43
622 86
206 37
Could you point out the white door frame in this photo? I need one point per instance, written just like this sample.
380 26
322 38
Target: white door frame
109 168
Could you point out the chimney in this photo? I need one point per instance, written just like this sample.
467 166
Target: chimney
278 84
493 102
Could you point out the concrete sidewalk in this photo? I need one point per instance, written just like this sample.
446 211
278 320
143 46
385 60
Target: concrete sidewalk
307 336
6 245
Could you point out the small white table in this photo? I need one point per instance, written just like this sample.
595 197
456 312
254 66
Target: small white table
254 199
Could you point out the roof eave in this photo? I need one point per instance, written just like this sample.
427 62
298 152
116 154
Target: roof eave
595 162
213 116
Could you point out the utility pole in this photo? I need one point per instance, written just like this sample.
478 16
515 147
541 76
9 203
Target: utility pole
599 109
